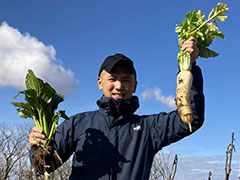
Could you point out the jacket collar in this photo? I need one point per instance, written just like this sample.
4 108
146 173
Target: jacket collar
120 107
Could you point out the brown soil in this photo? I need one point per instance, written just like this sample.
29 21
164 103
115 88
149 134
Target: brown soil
45 159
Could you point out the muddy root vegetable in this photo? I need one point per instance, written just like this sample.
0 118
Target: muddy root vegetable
184 83
41 102
204 30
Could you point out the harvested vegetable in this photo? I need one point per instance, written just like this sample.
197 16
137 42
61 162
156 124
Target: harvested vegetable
195 25
41 103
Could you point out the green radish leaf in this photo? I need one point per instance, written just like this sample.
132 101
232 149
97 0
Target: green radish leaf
217 35
221 18
63 115
211 13
212 27
195 25
21 105
34 83
206 53
41 102
24 113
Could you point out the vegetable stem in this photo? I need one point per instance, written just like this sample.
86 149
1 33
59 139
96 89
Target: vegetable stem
205 22
36 122
40 119
45 124
184 61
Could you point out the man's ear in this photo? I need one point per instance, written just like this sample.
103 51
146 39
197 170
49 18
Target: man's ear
135 86
99 81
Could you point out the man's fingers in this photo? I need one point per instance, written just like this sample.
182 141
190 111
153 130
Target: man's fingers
188 49
34 142
181 43
190 46
36 129
192 39
36 137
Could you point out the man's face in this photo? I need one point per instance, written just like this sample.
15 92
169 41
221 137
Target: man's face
118 84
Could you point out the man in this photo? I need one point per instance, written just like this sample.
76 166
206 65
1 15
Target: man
113 142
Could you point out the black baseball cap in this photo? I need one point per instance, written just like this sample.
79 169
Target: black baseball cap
113 60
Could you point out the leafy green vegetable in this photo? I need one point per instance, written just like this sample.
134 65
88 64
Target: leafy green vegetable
195 25
41 103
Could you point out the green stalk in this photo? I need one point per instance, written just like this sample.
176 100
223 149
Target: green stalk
205 22
54 121
46 175
36 121
45 124
184 61
40 119
51 131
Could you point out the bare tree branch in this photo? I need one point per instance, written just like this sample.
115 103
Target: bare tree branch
209 175
229 152
161 167
15 163
174 168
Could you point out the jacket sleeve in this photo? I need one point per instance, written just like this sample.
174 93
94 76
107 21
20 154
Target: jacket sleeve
166 128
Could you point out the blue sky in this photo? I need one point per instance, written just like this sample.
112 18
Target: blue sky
65 42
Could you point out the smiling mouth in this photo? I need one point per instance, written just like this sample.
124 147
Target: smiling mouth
117 95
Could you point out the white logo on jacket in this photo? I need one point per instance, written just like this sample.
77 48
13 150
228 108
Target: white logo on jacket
137 128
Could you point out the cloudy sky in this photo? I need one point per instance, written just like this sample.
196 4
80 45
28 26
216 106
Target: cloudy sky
65 42
198 167
20 52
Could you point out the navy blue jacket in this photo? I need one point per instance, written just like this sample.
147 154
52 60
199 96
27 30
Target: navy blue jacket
114 143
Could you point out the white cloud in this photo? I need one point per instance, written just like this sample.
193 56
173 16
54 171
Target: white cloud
198 167
20 52
157 94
